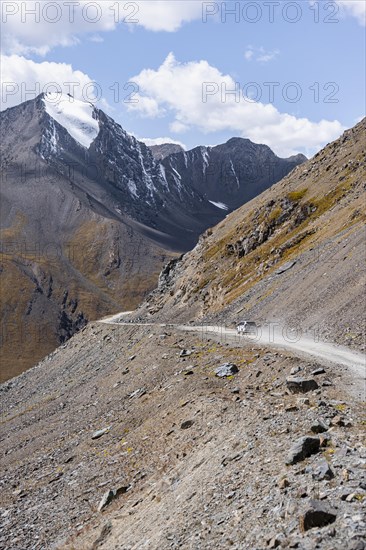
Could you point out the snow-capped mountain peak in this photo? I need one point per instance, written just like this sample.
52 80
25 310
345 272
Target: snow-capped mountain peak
77 117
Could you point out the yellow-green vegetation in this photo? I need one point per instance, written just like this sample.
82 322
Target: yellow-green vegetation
296 196
34 338
274 214
126 285
328 453
248 275
15 230
215 249
231 275
219 247
203 282
331 198
235 280
38 405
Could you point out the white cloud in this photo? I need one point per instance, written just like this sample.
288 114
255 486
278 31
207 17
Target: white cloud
23 79
353 8
176 89
264 57
161 141
169 16
30 26
96 38
356 8
260 54
248 54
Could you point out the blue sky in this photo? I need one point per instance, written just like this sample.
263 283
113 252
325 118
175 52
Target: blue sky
174 57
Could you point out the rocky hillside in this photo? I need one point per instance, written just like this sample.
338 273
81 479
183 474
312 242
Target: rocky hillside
88 219
126 438
293 255
66 258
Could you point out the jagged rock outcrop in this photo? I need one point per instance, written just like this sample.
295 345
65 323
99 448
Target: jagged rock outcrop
162 151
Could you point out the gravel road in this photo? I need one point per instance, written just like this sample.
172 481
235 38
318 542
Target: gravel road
278 337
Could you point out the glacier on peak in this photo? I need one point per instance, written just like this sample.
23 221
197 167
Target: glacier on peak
74 115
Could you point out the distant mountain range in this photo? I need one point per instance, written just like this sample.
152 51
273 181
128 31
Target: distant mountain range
89 215
229 174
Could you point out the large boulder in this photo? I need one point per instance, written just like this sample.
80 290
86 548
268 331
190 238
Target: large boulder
302 448
301 385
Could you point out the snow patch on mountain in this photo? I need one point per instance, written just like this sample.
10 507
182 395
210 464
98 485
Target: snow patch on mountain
205 157
234 173
220 205
133 189
53 137
163 175
74 115
177 179
147 179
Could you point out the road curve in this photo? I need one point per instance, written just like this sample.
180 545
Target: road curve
323 351
276 337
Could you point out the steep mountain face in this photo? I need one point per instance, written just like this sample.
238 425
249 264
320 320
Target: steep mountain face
68 255
284 256
119 177
88 218
162 151
229 174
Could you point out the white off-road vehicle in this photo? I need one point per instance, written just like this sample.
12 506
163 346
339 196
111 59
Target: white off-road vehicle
247 327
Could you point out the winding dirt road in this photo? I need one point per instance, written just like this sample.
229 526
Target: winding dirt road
275 336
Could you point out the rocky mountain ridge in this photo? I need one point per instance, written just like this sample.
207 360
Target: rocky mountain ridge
218 172
162 151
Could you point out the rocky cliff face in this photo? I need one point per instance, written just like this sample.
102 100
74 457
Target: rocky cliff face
229 174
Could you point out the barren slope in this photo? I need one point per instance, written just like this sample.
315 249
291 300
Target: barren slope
203 458
124 438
